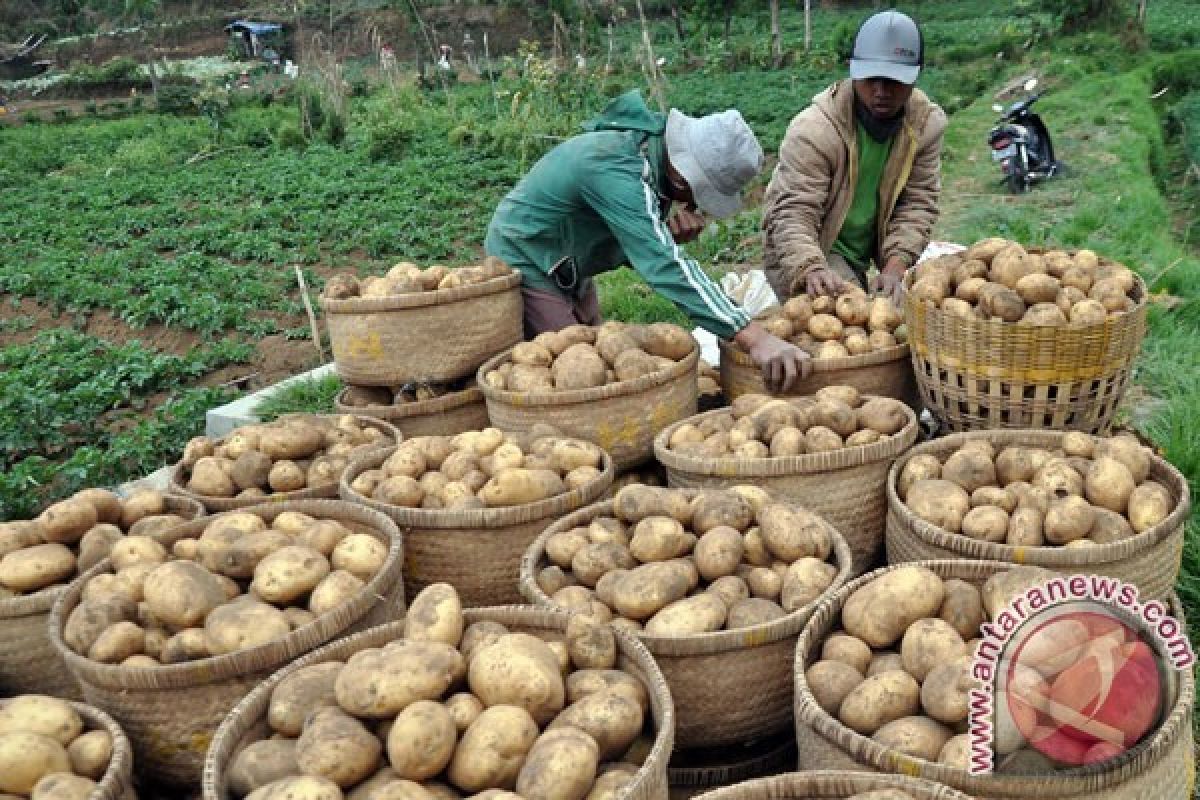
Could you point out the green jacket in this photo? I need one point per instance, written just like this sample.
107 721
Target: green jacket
599 198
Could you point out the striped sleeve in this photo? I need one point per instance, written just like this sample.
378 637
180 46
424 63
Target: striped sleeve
628 204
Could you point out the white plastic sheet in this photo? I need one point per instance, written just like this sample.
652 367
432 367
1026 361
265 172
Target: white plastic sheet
749 290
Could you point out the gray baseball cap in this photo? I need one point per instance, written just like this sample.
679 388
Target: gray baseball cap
888 45
717 155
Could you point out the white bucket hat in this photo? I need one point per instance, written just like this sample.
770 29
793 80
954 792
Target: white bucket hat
717 155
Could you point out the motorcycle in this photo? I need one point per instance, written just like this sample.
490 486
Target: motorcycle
1021 143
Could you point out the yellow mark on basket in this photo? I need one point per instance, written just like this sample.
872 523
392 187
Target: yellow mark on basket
1019 555
662 415
366 345
623 432
753 638
906 766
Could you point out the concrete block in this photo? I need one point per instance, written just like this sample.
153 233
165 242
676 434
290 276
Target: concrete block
223 419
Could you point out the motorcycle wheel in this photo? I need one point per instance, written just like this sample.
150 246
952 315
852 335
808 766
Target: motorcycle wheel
1018 182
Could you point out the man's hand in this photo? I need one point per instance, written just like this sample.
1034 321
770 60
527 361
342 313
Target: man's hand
782 364
685 225
822 280
890 281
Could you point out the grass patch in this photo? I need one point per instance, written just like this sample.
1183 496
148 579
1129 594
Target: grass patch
307 396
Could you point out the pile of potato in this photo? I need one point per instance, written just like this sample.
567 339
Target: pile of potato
73 535
997 279
670 565
760 426
45 751
447 712
708 383
900 668
583 357
302 451
361 396
481 469
408 278
241 584
850 324
1089 491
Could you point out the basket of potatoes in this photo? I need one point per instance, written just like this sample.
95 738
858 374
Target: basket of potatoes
498 702
39 557
168 633
854 340
616 385
54 749
433 325
296 457
1004 336
1070 502
831 785
469 505
884 678
829 453
716 584
419 409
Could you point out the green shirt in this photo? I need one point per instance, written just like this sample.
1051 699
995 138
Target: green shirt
598 197
856 240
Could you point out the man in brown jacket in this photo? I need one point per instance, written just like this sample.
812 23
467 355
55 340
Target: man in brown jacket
859 172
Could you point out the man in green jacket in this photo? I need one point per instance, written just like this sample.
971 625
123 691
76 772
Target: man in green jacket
603 198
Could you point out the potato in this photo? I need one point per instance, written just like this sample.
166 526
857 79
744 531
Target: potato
117 643
1128 451
830 682
962 607
36 567
187 645
720 509
986 523
660 539
919 737
635 502
594 560
360 554
701 613
1046 315
1149 504
421 742
805 581
41 714
1037 288
261 763
1068 519
825 327
609 716
790 533
1000 589
883 415
336 746
493 749
301 693
1109 526
883 315
519 670
90 754
590 645
62 786
852 309
750 611
307 787
923 466
289 573
928 643
847 649
719 552
1086 312
244 624
67 521
664 340
880 611
939 502
378 683
970 469
1058 477
532 354
182 593
878 700
25 758
930 289
579 367
561 765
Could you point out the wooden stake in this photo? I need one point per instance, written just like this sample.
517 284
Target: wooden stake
312 317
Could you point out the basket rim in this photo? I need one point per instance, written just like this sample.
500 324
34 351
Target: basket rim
420 408
797 785
267 656
867 751
41 601
696 644
570 397
516 615
482 518
177 485
423 299
875 357
809 463
1045 555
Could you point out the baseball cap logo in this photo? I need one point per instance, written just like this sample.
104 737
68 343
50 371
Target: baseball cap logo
904 51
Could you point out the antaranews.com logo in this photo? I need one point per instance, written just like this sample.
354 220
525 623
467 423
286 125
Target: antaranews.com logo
1074 671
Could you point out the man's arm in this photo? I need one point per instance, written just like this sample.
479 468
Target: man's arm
916 210
795 203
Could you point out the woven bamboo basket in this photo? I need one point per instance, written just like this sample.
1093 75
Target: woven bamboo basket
442 416
1150 560
622 417
433 337
1160 768
884 372
178 481
477 551
170 713
117 781
828 785
247 722
976 373
729 686
694 772
846 487
29 664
